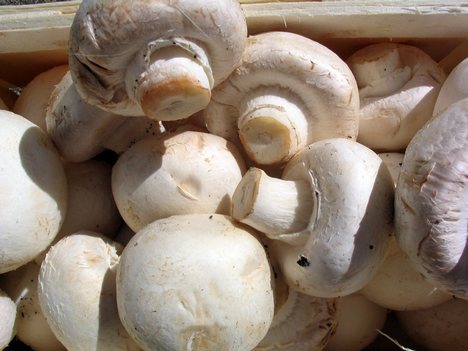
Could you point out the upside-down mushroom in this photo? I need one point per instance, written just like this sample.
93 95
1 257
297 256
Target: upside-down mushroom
195 282
398 87
431 200
155 58
287 92
331 215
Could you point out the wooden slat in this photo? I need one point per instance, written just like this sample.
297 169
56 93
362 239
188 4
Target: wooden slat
30 28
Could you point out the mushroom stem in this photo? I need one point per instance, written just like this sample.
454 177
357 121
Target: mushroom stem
381 73
272 126
273 206
170 79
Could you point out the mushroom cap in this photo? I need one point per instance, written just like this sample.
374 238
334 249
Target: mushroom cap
301 322
455 87
397 285
355 334
106 36
441 327
187 172
7 320
195 282
77 293
348 232
394 106
91 205
33 191
32 328
324 86
34 98
431 202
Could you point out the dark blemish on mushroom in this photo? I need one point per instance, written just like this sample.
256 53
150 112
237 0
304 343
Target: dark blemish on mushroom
437 221
303 261
22 314
401 163
371 247
211 217
136 244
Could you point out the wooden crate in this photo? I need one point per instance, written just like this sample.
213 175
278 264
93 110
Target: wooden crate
34 38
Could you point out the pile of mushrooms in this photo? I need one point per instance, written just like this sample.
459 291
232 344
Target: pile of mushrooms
185 186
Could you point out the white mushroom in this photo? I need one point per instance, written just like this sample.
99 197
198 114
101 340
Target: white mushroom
76 291
287 92
455 87
34 98
33 191
439 328
154 58
358 323
188 172
398 87
301 322
81 131
333 209
397 285
431 202
7 320
91 205
32 327
195 282
3 106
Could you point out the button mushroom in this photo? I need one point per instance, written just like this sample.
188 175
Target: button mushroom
301 322
154 58
76 292
332 213
32 328
358 322
187 172
398 87
397 285
7 320
431 202
455 87
81 131
441 327
32 103
287 92
33 191
195 282
91 205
